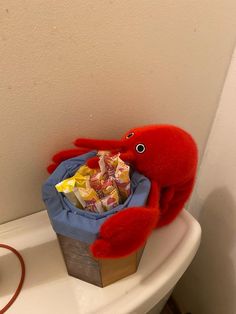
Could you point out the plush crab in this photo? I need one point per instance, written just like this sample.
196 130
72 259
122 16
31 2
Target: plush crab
167 155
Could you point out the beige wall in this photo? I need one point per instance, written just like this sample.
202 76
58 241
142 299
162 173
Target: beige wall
209 286
96 68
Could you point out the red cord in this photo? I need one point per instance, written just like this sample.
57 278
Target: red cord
12 300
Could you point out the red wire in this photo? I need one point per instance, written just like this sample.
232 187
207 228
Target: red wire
12 300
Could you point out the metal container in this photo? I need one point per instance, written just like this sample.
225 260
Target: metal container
100 272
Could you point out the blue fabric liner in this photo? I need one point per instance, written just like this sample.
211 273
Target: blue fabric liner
70 221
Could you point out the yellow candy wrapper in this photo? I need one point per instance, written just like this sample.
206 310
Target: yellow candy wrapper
67 187
111 200
70 186
90 200
86 171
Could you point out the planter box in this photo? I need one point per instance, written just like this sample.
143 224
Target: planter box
100 272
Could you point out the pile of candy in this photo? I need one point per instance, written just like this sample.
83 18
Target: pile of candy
98 190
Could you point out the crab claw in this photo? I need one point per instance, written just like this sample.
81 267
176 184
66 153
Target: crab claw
99 144
93 162
125 232
52 167
64 155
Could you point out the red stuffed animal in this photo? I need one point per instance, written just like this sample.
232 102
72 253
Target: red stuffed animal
167 155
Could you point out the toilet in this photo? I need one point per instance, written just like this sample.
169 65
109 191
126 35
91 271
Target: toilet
49 289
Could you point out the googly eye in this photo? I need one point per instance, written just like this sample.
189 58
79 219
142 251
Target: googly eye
140 148
130 135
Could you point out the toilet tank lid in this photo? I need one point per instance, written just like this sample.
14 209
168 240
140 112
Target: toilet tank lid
167 254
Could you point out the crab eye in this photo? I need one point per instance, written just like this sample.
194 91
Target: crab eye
130 135
140 148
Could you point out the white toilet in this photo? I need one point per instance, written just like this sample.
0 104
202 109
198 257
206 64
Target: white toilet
48 289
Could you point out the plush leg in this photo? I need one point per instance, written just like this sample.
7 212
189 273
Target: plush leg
126 231
173 202
93 162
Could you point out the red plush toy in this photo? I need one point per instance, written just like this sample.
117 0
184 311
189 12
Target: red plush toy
167 155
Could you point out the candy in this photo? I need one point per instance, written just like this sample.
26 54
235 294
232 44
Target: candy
86 171
67 187
69 184
122 179
108 186
95 190
96 182
111 200
90 200
108 163
70 187
117 168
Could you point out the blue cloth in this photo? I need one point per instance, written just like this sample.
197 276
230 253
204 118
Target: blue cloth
70 221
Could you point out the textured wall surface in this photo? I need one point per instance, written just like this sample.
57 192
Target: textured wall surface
95 68
209 286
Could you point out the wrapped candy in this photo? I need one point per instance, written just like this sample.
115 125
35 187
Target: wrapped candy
108 186
122 179
106 190
89 200
95 190
86 171
96 182
119 170
108 163
111 195
80 179
111 200
68 187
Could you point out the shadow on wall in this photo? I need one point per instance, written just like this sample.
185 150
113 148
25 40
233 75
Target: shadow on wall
209 285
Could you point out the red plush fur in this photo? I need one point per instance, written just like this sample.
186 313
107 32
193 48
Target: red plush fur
133 226
169 160
65 154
